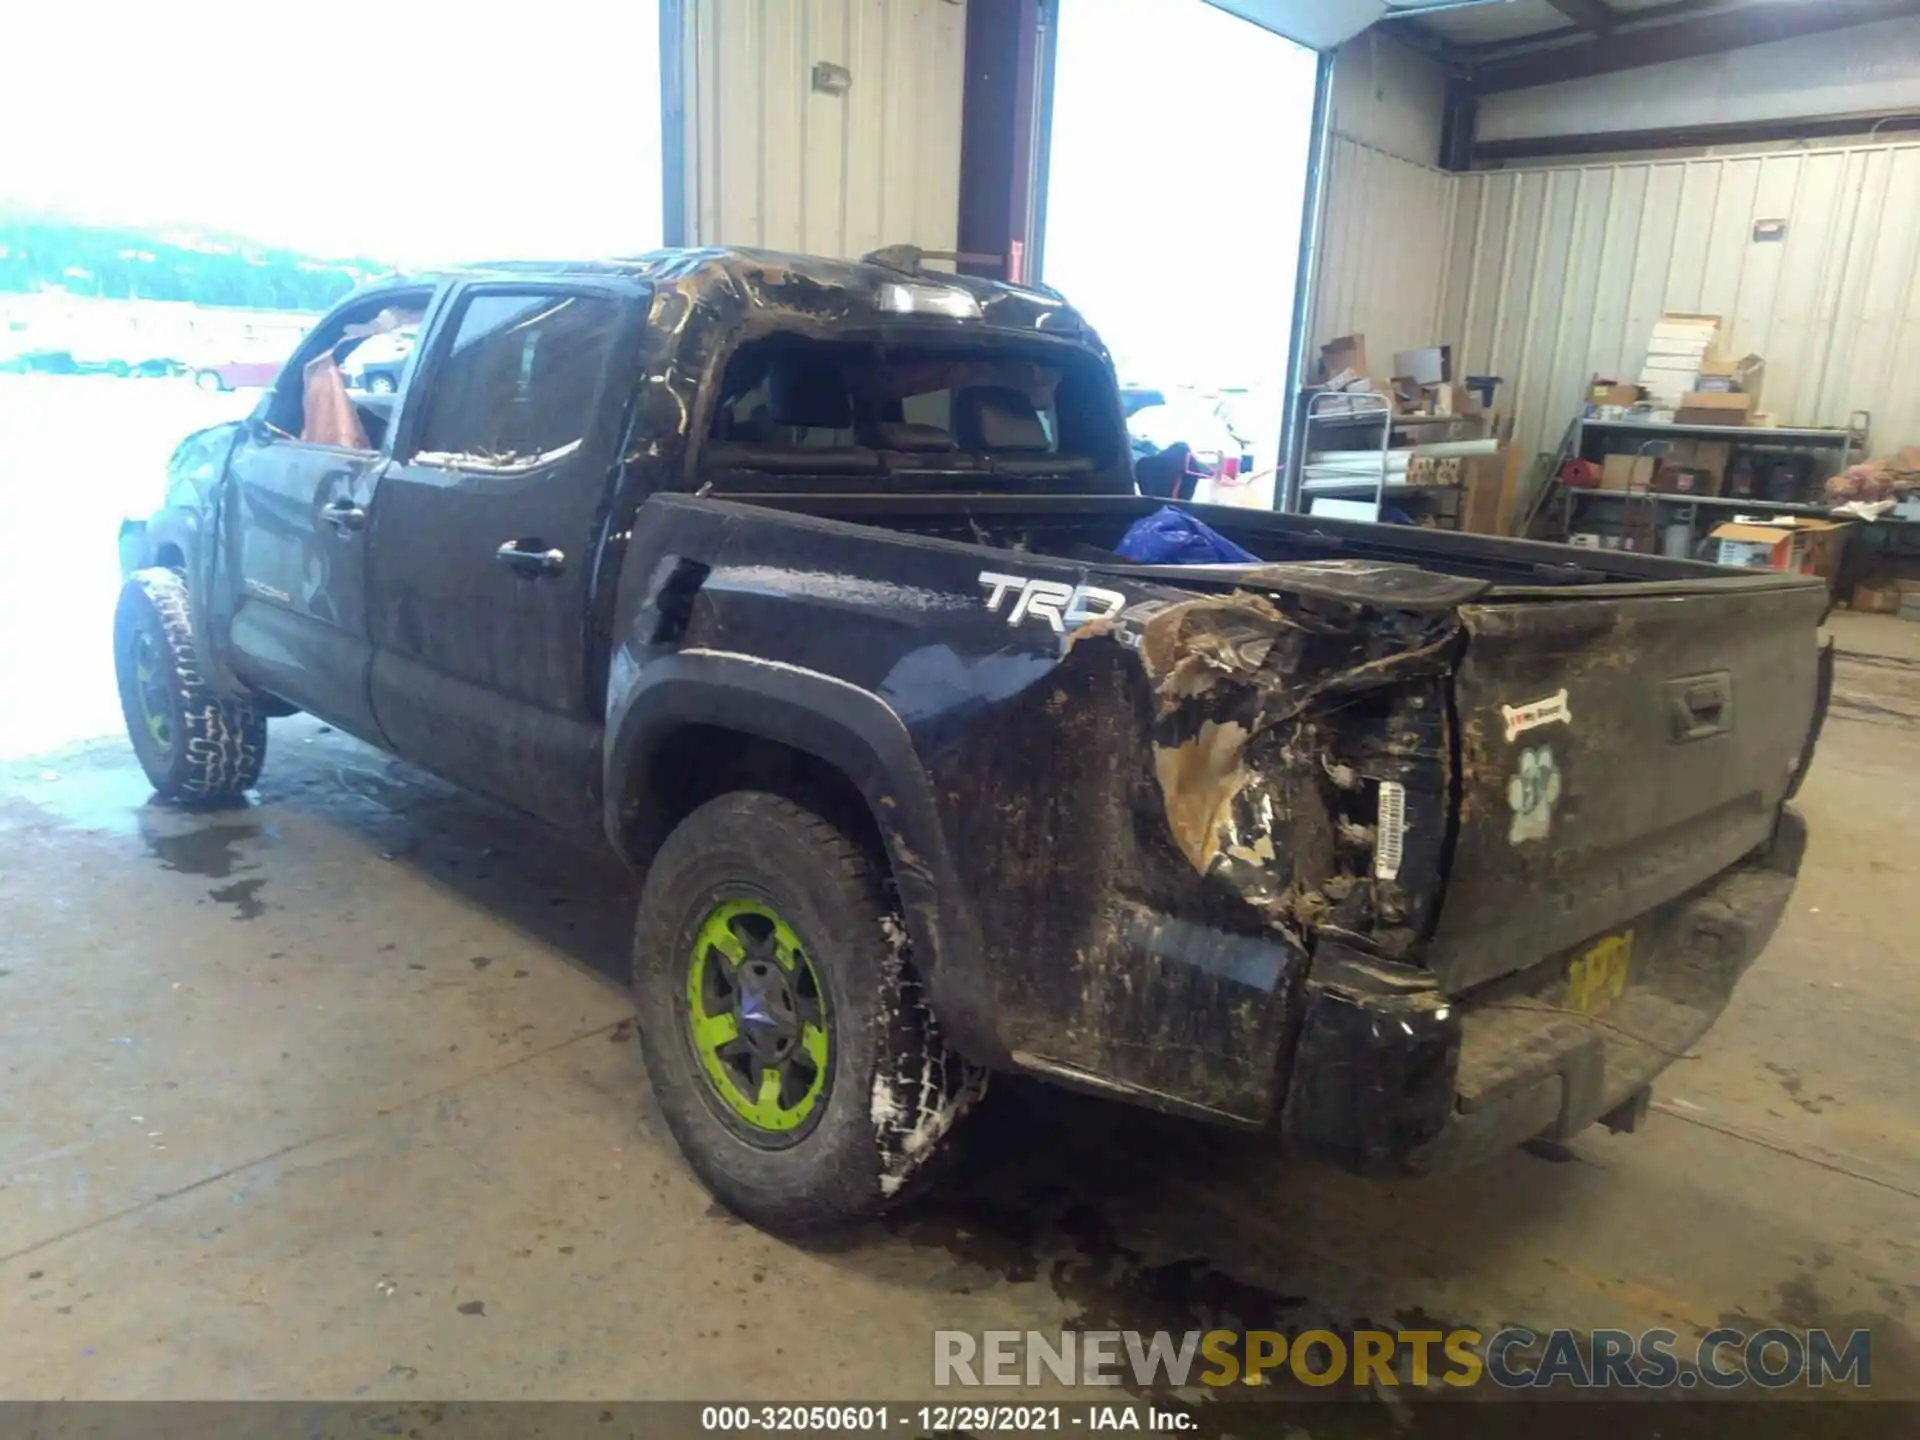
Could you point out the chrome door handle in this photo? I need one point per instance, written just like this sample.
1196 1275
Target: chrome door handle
520 555
344 516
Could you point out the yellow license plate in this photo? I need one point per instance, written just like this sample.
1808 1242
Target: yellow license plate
1597 976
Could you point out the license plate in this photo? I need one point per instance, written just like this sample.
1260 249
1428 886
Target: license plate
1597 976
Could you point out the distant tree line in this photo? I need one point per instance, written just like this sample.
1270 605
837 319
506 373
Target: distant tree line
116 263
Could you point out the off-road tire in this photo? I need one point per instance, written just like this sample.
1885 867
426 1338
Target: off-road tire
213 748
895 1089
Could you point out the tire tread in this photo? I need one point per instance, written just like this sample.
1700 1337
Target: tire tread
224 743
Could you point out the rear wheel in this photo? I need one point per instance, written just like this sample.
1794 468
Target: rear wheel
195 747
209 380
380 383
785 1036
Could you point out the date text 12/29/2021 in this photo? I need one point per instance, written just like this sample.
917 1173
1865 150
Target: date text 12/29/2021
941 1419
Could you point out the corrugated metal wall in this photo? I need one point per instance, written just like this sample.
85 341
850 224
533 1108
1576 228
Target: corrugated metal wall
1558 274
1382 258
1383 250
772 161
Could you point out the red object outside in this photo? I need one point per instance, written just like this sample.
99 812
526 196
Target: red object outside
246 374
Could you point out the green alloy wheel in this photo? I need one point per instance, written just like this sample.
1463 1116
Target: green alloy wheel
152 701
790 1047
757 1018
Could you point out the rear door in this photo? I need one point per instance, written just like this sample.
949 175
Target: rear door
484 537
1616 751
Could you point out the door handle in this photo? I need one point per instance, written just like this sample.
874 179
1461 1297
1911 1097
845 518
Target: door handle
344 515
528 558
1699 706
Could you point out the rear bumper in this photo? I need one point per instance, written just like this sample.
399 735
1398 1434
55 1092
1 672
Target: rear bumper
1392 1078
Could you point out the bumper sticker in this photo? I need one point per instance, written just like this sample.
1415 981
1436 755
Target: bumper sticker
1533 792
1553 710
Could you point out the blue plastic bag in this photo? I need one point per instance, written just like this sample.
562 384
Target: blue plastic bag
1173 537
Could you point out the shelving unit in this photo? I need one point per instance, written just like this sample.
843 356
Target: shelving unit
1590 441
1855 436
1395 431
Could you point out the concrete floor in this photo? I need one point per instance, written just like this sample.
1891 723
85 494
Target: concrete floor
336 1095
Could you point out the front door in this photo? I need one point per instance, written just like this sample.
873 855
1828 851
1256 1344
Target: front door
484 536
299 626
303 477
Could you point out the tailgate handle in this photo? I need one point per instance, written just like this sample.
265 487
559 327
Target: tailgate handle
1699 706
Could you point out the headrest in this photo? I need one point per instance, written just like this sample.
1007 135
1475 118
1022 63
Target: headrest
900 435
808 395
991 419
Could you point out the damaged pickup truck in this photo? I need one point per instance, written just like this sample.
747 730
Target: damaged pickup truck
797 582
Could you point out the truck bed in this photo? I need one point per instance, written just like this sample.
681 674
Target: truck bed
1690 692
1086 527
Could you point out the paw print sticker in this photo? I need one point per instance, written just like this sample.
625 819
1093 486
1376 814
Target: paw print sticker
1533 792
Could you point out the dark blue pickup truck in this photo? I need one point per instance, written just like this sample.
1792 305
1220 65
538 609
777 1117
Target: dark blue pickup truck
796 582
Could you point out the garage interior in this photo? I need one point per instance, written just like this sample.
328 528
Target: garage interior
336 1096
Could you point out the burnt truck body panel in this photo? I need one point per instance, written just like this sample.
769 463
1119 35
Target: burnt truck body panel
1311 843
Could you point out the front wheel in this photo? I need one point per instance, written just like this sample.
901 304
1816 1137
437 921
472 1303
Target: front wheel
379 383
209 380
786 1038
195 747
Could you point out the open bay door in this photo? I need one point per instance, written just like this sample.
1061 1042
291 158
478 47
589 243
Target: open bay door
1178 178
1316 24
1178 168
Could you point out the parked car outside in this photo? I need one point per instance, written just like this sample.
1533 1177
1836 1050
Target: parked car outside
237 374
379 363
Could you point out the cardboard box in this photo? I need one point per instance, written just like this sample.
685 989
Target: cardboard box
1799 545
1706 458
1628 473
1701 408
1679 346
1613 392
1431 365
1745 376
1876 599
1682 333
1666 387
1484 497
1348 352
1450 400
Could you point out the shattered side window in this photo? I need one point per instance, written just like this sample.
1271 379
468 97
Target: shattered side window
518 385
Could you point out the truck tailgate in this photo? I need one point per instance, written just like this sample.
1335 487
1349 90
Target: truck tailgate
1615 752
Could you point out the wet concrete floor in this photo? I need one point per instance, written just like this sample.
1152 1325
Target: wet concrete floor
337 1095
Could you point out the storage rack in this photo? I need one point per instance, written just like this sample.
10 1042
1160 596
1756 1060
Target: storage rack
1362 408
1848 443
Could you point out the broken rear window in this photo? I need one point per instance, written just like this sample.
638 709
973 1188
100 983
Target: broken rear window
797 407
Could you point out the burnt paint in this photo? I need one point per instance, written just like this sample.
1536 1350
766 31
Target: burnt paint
1060 923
